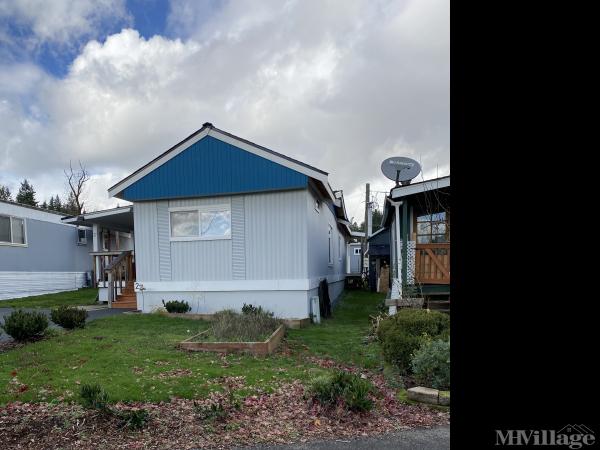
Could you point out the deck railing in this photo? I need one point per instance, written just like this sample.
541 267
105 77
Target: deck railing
432 263
120 272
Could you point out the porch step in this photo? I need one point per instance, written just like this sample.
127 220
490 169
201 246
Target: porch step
124 305
125 301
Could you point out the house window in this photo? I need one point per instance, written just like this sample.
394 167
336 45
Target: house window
12 231
330 246
81 237
201 223
357 251
432 228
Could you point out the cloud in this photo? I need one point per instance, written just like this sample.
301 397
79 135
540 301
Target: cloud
59 21
338 88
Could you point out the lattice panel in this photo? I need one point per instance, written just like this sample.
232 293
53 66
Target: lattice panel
410 263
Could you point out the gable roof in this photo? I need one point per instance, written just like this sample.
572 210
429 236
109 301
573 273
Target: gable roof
209 130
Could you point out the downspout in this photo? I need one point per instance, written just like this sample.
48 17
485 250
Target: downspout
397 283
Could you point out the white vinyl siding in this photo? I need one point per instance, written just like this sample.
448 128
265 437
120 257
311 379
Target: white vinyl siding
267 240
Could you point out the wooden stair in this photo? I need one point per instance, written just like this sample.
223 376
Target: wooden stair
127 298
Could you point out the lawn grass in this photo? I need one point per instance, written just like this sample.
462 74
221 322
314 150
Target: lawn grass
342 337
131 356
83 296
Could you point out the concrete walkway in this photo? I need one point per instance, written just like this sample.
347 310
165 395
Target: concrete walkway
417 439
94 312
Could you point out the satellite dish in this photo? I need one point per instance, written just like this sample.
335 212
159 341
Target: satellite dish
400 169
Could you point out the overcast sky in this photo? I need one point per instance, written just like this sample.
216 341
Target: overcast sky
340 85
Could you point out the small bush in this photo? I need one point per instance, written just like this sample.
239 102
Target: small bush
403 333
250 309
24 325
417 322
342 387
176 306
218 411
134 419
93 396
69 317
212 412
431 364
228 325
398 348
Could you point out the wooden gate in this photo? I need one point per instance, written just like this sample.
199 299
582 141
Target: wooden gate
432 263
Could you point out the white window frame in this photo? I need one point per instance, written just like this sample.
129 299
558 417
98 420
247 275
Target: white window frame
330 238
356 251
200 209
84 240
16 244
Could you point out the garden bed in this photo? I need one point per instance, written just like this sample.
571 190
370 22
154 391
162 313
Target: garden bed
198 343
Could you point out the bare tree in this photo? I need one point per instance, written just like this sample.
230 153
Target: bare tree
77 179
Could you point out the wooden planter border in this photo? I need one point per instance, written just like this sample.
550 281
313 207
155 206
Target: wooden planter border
290 323
256 348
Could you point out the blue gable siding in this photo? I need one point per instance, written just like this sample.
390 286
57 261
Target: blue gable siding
213 167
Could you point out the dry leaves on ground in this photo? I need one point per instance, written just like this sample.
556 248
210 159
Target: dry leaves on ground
283 416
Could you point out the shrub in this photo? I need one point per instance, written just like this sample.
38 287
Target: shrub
250 309
24 325
342 387
431 364
218 411
134 419
402 334
417 322
69 317
176 306
228 325
93 396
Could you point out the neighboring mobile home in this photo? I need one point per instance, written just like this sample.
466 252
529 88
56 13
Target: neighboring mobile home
219 221
38 253
417 217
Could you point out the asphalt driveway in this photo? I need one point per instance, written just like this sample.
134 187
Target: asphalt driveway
94 312
417 439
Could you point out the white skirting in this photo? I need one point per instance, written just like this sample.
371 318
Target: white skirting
284 301
25 284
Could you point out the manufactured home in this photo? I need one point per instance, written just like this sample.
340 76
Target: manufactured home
219 221
39 254
417 218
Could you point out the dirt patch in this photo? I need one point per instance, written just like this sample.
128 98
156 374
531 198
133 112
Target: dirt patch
9 345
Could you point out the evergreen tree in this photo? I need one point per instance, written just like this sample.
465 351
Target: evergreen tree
70 207
44 205
5 193
57 203
26 194
376 220
51 206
